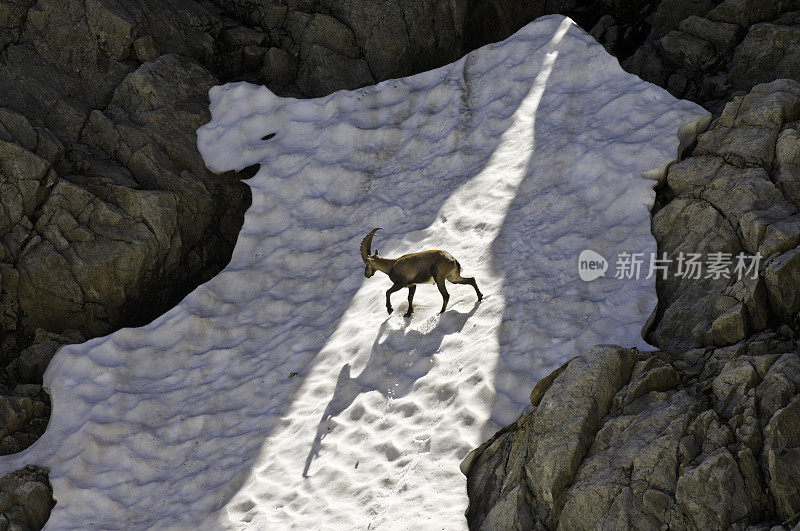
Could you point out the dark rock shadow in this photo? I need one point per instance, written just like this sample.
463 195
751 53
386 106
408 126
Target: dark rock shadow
397 360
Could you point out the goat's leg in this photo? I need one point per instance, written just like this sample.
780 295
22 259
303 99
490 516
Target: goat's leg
443 291
411 289
395 287
471 282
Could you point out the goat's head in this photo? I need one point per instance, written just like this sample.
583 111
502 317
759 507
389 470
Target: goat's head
366 245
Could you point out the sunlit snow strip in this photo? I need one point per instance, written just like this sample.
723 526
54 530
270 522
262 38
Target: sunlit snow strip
308 485
280 394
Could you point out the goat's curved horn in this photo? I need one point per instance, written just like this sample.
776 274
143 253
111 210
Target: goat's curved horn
366 244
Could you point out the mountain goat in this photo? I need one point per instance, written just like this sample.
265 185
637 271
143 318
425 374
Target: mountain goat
426 267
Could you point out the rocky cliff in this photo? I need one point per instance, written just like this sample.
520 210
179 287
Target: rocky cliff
700 439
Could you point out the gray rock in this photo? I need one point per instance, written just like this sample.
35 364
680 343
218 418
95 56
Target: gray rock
730 326
26 498
780 236
279 66
726 202
703 50
701 439
586 386
782 278
512 512
606 32
741 146
780 382
733 383
787 153
241 36
748 12
713 494
769 51
15 411
99 242
670 13
24 412
750 292
543 385
782 456
145 48
329 58
688 225
32 362
616 473
721 35
541 473
680 48
599 29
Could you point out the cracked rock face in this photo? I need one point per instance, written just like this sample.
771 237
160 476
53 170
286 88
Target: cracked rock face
708 51
738 193
702 440
702 434
108 215
126 215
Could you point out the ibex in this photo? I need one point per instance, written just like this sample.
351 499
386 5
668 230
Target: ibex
426 267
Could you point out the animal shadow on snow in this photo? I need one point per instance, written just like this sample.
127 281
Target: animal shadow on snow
398 358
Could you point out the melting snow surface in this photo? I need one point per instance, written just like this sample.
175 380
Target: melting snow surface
281 394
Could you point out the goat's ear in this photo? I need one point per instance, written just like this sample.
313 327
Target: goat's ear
375 253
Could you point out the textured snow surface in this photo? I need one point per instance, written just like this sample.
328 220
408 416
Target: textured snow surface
514 159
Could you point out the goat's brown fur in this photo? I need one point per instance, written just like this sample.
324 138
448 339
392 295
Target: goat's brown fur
426 267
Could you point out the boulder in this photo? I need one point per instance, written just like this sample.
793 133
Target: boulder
585 386
769 51
278 66
782 458
748 12
670 13
143 216
721 35
695 54
26 498
329 57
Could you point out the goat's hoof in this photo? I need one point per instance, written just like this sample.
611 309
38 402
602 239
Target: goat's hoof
407 314
389 309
